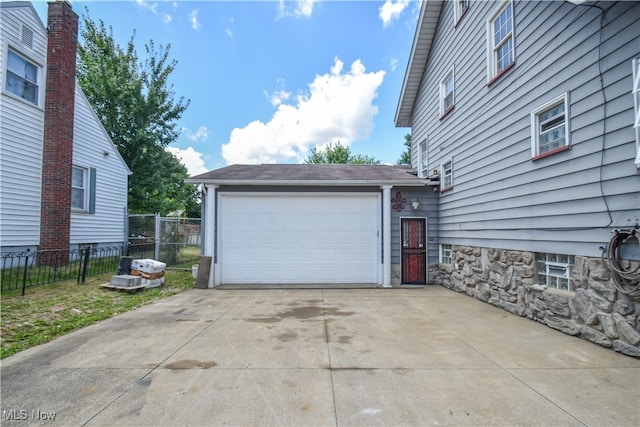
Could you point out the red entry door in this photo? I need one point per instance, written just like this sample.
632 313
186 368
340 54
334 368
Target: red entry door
414 250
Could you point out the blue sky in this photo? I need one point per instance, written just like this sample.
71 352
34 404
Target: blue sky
269 80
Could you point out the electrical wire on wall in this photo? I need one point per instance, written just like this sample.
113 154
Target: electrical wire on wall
625 277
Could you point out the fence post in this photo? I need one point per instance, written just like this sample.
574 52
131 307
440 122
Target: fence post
156 239
85 254
24 275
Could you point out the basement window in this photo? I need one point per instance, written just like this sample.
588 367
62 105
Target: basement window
554 271
446 254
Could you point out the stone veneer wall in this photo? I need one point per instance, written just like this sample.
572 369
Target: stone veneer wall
596 311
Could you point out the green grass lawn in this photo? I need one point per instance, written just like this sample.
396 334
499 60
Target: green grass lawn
49 311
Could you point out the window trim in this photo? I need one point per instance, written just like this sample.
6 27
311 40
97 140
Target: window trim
443 175
38 83
445 110
446 259
89 188
535 127
493 74
459 12
636 105
423 158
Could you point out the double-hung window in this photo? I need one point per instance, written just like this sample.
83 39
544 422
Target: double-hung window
636 105
423 159
501 54
550 128
83 183
446 172
22 77
554 270
447 94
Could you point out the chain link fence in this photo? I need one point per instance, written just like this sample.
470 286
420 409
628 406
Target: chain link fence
174 241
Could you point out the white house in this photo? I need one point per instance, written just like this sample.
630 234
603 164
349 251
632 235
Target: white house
63 183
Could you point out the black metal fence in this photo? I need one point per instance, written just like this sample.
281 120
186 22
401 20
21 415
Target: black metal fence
21 270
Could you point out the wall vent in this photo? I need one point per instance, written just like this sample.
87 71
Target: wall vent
27 36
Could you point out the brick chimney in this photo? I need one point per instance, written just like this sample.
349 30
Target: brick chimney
57 156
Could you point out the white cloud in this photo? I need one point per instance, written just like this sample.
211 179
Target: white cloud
167 18
338 106
200 135
193 17
152 7
296 9
391 10
393 64
279 96
190 158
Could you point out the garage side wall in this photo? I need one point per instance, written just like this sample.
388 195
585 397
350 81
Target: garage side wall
428 209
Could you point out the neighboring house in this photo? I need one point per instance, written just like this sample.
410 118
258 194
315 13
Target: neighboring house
311 223
527 114
63 183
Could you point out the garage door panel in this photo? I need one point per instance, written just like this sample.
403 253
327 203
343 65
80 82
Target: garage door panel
290 239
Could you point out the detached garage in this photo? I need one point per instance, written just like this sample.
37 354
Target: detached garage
288 225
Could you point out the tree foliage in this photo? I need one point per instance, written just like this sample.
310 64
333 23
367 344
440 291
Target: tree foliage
405 157
338 153
136 104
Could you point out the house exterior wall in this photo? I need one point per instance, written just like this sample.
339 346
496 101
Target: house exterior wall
507 206
22 133
568 202
107 224
21 150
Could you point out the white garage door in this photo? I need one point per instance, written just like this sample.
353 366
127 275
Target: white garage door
294 238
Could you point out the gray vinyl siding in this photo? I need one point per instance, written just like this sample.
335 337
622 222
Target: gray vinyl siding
428 209
90 142
21 133
501 197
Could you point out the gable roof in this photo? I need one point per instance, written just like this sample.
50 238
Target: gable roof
310 174
23 4
420 51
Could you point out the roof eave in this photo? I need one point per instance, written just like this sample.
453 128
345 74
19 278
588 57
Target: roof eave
309 183
425 31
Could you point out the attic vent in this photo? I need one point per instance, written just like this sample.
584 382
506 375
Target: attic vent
27 37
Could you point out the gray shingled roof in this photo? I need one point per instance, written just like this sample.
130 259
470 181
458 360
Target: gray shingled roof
309 174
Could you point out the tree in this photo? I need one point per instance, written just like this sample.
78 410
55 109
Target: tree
338 153
136 104
405 157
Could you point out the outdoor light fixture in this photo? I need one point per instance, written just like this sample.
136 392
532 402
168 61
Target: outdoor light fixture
415 203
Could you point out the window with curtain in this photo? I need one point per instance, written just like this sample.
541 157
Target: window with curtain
22 77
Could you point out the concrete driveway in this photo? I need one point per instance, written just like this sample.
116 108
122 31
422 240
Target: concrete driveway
320 357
